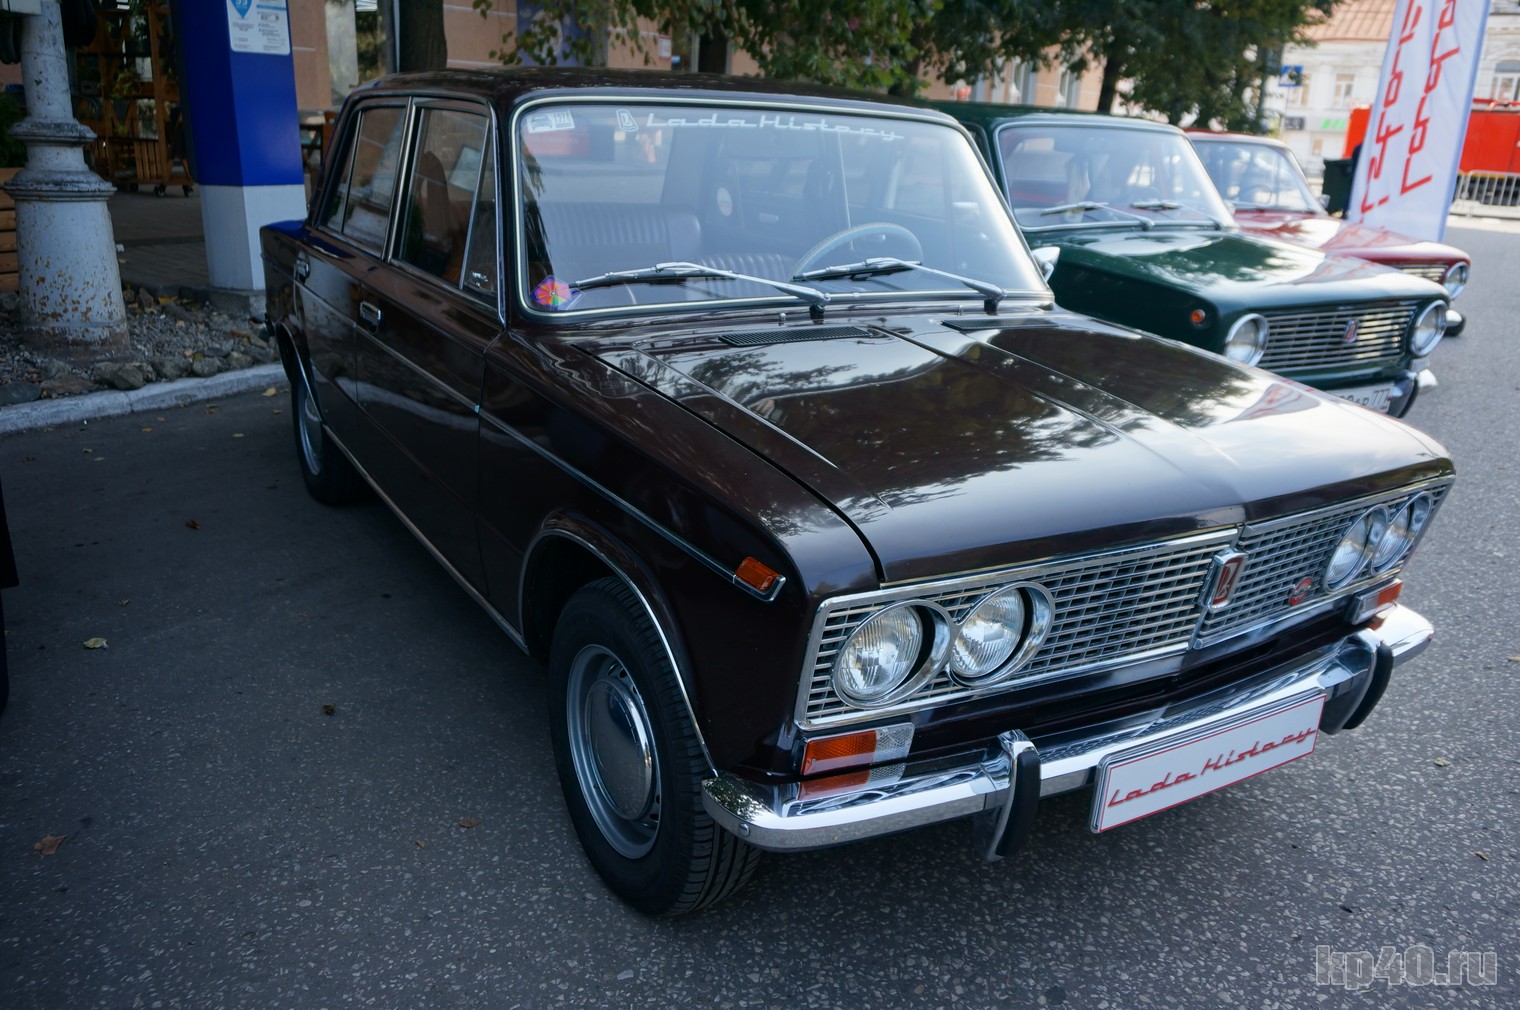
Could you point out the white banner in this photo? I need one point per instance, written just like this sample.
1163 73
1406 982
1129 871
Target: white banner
1407 170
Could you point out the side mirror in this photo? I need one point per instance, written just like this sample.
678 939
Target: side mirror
1046 256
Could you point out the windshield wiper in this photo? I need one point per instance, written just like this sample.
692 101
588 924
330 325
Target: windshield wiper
1087 205
681 271
891 265
1173 205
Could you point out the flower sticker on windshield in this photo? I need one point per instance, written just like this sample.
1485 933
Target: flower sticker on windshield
553 293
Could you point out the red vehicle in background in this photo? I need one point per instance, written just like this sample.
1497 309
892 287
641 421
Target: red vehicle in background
1489 171
1270 196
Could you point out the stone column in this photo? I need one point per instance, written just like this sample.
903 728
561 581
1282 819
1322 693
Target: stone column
71 304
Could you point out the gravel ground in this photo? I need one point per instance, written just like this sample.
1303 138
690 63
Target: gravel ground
170 339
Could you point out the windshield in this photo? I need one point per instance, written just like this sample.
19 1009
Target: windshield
1257 176
688 205
1058 176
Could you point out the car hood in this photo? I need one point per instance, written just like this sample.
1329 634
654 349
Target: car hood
1231 270
1049 433
1348 238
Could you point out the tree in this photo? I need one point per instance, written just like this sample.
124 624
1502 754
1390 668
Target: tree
1202 58
418 25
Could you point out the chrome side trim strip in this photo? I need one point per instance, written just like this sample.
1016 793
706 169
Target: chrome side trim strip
464 584
707 560
659 630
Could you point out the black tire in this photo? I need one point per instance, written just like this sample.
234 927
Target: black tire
329 476
630 763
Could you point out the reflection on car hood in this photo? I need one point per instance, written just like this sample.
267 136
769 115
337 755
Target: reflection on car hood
1226 268
1050 433
1347 238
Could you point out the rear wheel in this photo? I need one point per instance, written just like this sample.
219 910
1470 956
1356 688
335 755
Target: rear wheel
630 763
328 474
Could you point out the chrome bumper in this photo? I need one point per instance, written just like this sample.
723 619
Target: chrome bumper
1352 675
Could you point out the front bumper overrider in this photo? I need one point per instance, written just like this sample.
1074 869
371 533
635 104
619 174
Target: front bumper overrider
1003 785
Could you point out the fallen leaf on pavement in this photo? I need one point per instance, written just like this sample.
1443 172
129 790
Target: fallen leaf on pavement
1443 762
469 822
1481 855
192 524
1514 659
28 459
271 391
49 844
329 710
95 643
237 434
421 844
123 603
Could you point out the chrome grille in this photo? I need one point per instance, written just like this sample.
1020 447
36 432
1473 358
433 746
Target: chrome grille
1117 607
1108 607
1429 271
1316 339
1281 553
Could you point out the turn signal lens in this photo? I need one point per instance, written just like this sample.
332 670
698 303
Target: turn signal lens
827 754
756 574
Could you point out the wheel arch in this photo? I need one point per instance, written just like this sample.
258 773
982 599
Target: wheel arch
569 552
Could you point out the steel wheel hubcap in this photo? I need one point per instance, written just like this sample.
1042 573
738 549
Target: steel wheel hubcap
311 431
612 748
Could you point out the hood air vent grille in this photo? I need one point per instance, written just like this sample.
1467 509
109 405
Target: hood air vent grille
756 338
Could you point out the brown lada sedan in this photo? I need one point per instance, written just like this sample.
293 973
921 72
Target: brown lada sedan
744 409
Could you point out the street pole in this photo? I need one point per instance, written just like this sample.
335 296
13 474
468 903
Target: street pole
71 304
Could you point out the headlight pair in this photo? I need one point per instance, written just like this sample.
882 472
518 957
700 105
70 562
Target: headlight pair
1376 541
897 650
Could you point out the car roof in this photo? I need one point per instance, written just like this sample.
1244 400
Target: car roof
1243 138
511 86
989 115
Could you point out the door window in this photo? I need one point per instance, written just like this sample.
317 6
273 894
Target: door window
444 194
360 204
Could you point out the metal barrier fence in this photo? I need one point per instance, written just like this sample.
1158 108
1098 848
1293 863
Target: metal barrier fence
1479 189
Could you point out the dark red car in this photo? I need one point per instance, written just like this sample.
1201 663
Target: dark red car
1271 196
745 409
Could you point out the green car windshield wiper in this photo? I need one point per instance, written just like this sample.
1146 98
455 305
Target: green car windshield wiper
1087 205
1174 205
891 265
680 271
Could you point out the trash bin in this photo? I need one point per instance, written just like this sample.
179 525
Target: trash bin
1337 184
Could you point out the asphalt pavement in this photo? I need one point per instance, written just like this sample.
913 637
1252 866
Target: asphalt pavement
262 778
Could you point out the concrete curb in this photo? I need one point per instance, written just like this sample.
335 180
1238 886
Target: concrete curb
159 396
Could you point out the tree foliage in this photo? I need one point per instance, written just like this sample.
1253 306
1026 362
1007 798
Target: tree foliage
1183 58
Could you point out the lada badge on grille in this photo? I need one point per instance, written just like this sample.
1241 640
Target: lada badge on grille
1349 337
1226 576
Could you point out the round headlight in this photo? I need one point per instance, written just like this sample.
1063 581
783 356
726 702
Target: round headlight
885 657
1428 330
1455 278
1354 547
988 636
1000 634
1247 340
1401 533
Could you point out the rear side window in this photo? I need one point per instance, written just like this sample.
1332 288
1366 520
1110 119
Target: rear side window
444 195
360 204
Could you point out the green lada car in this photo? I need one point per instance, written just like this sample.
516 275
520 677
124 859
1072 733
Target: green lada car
1133 231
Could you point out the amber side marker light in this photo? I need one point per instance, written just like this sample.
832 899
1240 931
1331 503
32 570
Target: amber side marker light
850 750
1369 604
756 574
1198 317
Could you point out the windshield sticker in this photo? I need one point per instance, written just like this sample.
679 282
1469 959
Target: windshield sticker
771 121
552 121
626 122
553 293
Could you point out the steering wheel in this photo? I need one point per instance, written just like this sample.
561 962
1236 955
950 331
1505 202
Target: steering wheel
881 229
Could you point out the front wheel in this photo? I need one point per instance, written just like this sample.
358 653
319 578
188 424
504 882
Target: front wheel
329 476
630 763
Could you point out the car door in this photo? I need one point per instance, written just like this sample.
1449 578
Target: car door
425 320
346 242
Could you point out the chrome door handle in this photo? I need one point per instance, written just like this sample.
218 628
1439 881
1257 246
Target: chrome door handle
303 268
370 314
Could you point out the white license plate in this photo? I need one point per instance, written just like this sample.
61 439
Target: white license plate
1160 775
1372 397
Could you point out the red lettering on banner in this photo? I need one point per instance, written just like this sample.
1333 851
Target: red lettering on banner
1446 19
